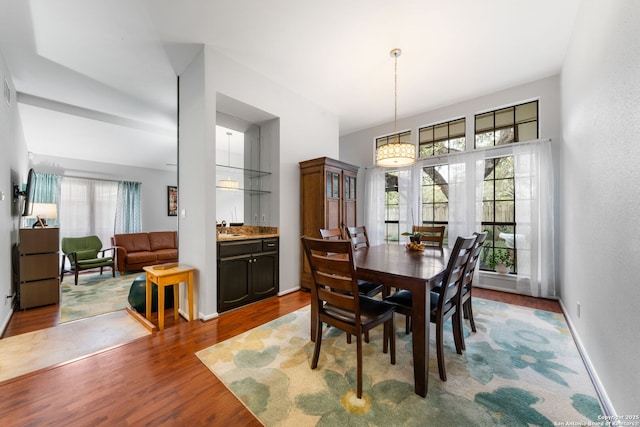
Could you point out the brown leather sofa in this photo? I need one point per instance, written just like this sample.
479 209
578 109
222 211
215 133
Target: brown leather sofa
136 250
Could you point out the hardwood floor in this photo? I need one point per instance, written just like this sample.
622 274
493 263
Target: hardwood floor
154 380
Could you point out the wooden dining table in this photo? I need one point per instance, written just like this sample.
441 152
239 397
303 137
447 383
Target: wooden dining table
395 266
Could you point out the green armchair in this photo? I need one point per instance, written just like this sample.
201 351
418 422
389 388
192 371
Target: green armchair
85 253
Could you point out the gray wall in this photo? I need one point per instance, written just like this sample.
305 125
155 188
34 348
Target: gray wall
600 231
13 170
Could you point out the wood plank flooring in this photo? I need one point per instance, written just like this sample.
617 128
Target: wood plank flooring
155 380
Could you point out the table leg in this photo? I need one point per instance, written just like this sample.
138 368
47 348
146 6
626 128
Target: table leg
160 306
176 298
147 313
420 330
190 295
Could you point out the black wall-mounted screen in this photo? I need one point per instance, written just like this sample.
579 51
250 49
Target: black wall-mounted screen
28 193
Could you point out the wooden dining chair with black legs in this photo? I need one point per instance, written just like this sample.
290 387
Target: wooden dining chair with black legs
445 302
336 301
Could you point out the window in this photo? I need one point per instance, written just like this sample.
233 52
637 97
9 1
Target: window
498 208
402 137
442 138
391 208
507 125
435 196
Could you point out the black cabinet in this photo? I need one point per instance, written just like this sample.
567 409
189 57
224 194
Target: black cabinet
247 271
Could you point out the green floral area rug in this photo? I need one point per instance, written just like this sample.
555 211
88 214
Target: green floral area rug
95 294
521 368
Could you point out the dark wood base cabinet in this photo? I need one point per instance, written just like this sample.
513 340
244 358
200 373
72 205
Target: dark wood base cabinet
247 272
37 267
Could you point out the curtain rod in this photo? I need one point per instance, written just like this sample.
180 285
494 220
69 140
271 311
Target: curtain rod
86 177
475 150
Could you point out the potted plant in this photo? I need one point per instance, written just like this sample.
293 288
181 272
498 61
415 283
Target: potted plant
415 236
500 260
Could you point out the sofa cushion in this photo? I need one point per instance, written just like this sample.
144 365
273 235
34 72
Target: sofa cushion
162 240
133 242
140 257
167 254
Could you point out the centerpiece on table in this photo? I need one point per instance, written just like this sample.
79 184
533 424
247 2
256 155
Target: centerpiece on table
415 239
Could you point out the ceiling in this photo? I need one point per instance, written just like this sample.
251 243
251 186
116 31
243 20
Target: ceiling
96 78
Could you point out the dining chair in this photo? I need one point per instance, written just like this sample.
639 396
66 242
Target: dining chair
431 235
445 302
360 239
334 290
467 284
331 233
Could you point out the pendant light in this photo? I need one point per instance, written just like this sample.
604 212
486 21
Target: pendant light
396 153
229 184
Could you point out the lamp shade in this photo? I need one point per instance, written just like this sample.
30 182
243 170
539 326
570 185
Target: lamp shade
45 210
396 154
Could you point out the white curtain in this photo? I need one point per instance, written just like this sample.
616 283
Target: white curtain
88 207
534 178
535 237
374 196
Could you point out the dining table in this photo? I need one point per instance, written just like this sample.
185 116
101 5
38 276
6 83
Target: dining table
395 266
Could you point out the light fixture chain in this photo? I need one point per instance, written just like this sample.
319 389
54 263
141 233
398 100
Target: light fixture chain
395 112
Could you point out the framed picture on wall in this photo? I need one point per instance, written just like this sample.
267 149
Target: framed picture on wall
172 200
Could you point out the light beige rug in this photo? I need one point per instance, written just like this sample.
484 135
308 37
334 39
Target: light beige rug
67 342
95 294
521 368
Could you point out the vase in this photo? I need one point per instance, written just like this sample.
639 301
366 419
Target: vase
502 268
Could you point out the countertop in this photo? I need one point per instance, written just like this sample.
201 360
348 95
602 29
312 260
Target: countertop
245 232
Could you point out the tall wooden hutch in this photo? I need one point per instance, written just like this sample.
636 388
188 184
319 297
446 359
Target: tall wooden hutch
327 200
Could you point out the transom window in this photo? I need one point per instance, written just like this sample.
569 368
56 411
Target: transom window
402 137
507 125
442 138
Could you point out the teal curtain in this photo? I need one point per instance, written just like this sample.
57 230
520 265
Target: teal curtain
128 212
46 190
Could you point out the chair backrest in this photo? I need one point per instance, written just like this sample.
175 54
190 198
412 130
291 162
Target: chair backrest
359 237
333 272
331 233
85 247
454 274
472 262
431 235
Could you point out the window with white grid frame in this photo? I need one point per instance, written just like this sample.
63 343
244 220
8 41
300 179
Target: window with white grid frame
507 125
441 138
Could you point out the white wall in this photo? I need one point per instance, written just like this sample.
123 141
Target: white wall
358 148
600 230
153 190
306 131
13 170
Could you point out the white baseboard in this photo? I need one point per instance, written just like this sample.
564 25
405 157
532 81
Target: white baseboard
607 406
288 291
